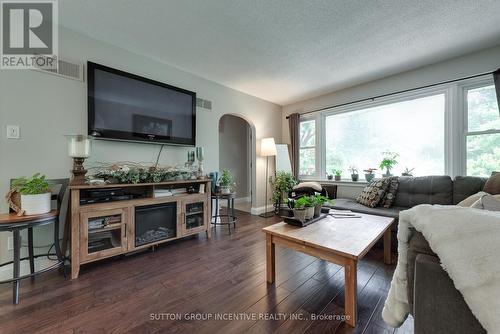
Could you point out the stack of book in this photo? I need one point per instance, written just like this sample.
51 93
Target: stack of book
343 214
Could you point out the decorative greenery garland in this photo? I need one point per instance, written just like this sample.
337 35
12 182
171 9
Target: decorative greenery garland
130 172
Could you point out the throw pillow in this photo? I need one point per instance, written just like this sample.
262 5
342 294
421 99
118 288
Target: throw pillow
390 194
488 202
373 193
466 203
492 185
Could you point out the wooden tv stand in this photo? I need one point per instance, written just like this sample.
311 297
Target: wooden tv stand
113 227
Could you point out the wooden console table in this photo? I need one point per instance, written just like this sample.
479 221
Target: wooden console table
343 241
105 229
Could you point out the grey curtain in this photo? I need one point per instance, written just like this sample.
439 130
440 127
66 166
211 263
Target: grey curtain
496 77
293 125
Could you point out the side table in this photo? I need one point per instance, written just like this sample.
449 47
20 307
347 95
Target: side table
230 215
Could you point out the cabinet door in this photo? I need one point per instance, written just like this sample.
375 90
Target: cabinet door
194 215
103 233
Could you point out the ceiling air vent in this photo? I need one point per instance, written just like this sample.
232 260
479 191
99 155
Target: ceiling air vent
205 104
65 69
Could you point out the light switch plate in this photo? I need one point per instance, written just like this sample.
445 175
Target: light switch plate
13 131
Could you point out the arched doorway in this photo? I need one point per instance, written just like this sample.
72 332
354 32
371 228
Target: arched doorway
235 155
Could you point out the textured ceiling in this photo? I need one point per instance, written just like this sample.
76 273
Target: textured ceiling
287 50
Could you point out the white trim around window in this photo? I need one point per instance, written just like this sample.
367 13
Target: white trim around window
455 123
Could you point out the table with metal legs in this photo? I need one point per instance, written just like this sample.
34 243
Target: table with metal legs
230 216
15 224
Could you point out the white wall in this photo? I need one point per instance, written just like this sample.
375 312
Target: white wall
475 63
46 107
234 137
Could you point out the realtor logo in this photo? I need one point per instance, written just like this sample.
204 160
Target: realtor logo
29 34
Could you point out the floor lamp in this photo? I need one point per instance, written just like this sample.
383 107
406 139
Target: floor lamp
267 149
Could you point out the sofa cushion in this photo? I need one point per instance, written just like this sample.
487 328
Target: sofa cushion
373 193
465 186
424 190
466 203
492 185
487 202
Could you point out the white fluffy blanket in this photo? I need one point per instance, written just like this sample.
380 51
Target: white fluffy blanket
467 242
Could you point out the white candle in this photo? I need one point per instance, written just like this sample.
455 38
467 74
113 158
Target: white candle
79 146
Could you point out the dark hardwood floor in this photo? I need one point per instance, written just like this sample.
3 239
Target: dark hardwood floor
181 288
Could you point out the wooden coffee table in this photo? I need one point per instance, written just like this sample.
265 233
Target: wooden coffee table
343 241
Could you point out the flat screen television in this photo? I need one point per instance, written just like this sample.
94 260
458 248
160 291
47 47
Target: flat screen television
124 106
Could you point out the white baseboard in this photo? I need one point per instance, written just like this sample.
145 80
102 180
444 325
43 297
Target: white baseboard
261 209
242 200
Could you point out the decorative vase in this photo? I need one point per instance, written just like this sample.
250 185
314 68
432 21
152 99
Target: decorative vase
355 177
299 214
309 212
317 210
369 177
36 204
329 177
224 190
214 176
200 156
337 177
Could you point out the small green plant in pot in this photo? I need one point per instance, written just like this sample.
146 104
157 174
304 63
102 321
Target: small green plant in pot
304 208
388 162
369 174
226 182
354 173
338 174
319 200
35 194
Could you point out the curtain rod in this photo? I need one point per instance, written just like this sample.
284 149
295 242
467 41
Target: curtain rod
394 93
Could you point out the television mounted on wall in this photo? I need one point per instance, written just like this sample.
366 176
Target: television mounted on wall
125 106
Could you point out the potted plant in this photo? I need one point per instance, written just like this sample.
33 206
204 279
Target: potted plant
369 175
354 173
299 209
408 172
389 162
35 194
226 183
282 184
310 203
338 174
319 200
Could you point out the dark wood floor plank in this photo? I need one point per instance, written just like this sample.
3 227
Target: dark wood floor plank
222 275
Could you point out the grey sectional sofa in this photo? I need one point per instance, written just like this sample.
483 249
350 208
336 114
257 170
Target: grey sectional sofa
437 307
419 190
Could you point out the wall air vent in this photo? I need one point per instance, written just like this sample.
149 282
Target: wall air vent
205 104
65 69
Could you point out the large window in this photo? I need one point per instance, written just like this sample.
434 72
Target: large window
414 129
483 131
451 129
307 148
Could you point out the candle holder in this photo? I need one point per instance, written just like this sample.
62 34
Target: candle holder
78 149
200 157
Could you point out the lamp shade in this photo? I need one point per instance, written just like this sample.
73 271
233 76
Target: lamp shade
267 147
